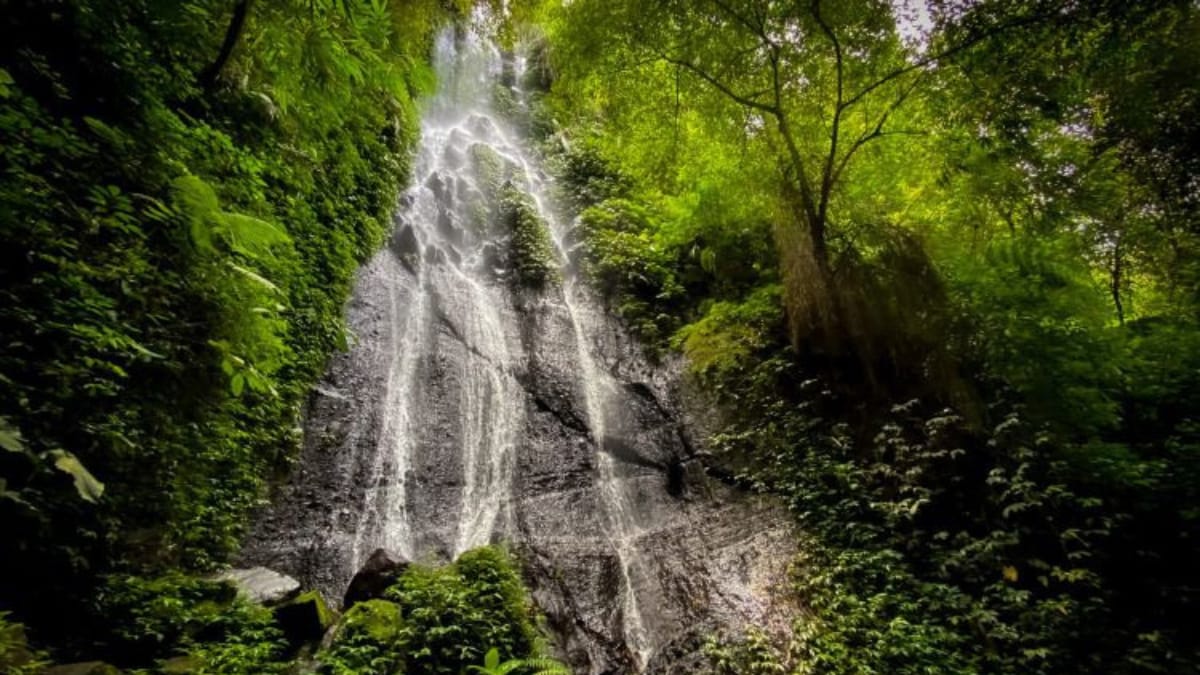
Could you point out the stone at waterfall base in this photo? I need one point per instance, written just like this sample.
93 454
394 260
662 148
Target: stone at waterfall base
304 619
373 578
261 585
85 668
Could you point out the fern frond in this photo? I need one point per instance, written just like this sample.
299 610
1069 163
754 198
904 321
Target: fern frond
545 666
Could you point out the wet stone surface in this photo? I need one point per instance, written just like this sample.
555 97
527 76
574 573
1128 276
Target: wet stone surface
468 412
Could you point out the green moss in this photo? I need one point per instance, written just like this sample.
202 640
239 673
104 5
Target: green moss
368 639
490 170
324 614
378 619
530 248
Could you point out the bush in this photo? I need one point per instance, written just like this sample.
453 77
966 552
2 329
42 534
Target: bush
369 639
175 254
16 656
438 620
152 619
531 250
453 615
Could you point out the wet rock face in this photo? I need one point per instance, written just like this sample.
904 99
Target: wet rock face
469 411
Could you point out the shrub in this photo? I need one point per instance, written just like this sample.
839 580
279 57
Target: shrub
452 615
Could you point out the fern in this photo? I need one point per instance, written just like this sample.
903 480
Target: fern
534 665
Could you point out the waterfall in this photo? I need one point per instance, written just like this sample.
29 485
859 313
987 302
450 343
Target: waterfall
471 409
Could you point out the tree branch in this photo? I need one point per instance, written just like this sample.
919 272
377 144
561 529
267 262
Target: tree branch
811 212
758 30
827 173
720 86
945 54
208 78
877 131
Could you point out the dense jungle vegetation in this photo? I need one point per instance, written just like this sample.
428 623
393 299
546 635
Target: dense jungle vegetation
938 264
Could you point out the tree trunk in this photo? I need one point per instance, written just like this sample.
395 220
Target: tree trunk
1116 277
208 78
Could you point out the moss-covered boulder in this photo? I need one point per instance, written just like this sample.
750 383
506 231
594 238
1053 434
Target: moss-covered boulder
304 619
491 170
369 638
82 668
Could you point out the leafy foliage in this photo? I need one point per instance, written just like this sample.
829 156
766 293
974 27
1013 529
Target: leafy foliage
16 656
453 614
532 252
176 253
535 666
441 620
985 440
369 640
158 618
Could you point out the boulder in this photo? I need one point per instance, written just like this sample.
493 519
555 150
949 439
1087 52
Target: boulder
374 577
304 619
261 585
83 668
181 665
405 245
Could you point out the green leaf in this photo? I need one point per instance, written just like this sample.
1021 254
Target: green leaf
252 236
6 82
198 202
112 136
141 349
10 437
492 659
11 495
89 488
256 278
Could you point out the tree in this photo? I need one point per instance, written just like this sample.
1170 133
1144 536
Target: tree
821 81
208 78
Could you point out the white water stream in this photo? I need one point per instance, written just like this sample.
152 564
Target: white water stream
469 67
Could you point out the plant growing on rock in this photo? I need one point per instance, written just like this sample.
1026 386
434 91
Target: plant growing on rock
532 252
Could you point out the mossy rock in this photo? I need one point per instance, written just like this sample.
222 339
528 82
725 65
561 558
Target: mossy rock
491 170
369 638
86 668
379 620
181 665
531 250
304 619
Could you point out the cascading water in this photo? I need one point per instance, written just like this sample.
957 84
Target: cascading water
472 409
